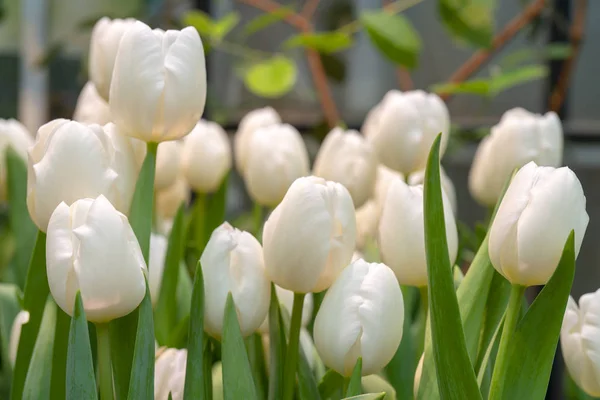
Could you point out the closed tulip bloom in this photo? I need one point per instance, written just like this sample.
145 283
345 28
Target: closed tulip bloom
15 334
347 158
418 178
233 262
276 157
91 248
169 373
91 108
361 315
519 137
580 342
540 208
158 87
206 156
104 43
402 233
310 236
256 119
286 299
168 164
14 135
170 199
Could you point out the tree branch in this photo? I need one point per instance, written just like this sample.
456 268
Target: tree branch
310 6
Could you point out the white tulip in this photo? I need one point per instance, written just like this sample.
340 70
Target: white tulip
367 220
580 342
418 373
12 134
286 300
206 156
310 237
418 178
357 255
518 138
168 164
156 264
377 384
15 334
233 262
348 158
169 373
158 87
170 199
104 44
91 248
385 177
276 157
252 121
361 315
91 108
540 208
70 161
402 233
403 126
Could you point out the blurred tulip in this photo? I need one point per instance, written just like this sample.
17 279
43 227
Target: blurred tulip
158 87
15 334
310 237
233 262
256 119
306 344
518 138
286 300
91 248
70 161
376 384
91 108
276 157
169 373
361 315
367 220
12 134
104 44
418 178
168 164
385 177
169 199
402 233
156 264
206 157
356 256
540 208
347 158
217 381
580 342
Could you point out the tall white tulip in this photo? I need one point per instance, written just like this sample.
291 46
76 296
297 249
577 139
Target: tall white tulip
402 233
418 178
206 156
14 135
518 138
540 208
310 237
286 299
70 161
276 157
362 315
348 158
169 199
15 334
169 373
580 342
104 44
233 262
91 108
158 87
91 248
259 118
168 164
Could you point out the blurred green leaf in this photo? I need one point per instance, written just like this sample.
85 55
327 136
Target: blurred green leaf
141 384
394 36
59 355
256 356
277 347
271 78
223 26
552 51
265 20
323 42
80 377
354 385
196 374
488 360
330 383
208 27
9 308
215 209
367 396
183 294
307 385
334 66
469 20
479 86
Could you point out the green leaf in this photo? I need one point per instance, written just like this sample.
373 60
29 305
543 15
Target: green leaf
553 51
456 378
223 26
166 306
184 294
486 368
237 375
394 36
256 356
277 347
122 343
39 374
21 226
215 209
307 385
531 349
354 385
517 77
195 375
271 78
34 301
9 308
265 20
141 384
206 26
367 396
59 355
80 377
335 67
479 86
469 20
323 42
330 383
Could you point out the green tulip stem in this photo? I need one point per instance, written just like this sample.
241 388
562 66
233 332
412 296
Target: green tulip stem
511 319
104 362
291 357
257 216
199 218
421 322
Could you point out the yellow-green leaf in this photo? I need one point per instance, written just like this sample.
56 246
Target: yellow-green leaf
326 42
271 78
471 21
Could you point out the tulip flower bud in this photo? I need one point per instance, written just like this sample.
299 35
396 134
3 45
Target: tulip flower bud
168 164
418 178
403 126
12 134
376 384
367 220
233 262
519 137
402 233
252 121
104 43
310 237
580 342
91 108
91 248
156 263
540 208
361 315
70 161
169 199
206 156
169 373
276 157
15 334
158 87
286 300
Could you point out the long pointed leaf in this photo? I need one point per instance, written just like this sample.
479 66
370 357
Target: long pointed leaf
307 384
354 386
9 308
256 356
141 384
367 396
277 347
215 209
59 355
195 373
